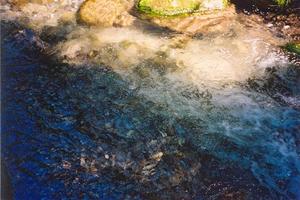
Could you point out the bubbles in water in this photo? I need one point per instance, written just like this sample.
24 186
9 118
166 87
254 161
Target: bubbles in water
202 82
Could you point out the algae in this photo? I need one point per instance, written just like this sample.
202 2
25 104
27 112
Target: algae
283 3
179 7
293 47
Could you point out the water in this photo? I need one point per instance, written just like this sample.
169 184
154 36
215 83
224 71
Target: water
139 112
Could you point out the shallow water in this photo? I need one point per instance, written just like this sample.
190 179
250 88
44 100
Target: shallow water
143 113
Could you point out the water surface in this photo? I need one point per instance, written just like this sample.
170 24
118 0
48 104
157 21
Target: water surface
140 112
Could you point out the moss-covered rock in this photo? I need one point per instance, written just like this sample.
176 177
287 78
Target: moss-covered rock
179 7
106 12
206 22
293 47
188 16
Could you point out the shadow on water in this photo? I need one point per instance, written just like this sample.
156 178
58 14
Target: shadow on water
84 132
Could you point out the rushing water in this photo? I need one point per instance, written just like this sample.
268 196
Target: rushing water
140 112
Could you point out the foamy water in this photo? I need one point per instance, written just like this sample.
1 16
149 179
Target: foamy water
201 79
217 59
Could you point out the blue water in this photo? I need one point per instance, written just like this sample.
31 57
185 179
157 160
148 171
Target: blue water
85 133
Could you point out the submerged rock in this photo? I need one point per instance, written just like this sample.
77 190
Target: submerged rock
22 3
106 12
179 7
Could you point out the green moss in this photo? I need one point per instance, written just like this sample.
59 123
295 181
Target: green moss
283 3
168 7
179 7
293 47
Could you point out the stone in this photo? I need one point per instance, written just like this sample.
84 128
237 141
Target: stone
106 12
211 21
18 4
157 156
189 16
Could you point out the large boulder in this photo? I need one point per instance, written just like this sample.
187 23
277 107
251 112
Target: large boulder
206 23
189 16
106 12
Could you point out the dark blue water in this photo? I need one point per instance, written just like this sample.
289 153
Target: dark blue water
84 133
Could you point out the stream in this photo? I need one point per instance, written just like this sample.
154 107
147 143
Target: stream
141 112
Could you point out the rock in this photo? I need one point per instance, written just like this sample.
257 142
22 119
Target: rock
209 21
180 41
179 7
21 3
188 16
157 156
106 12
